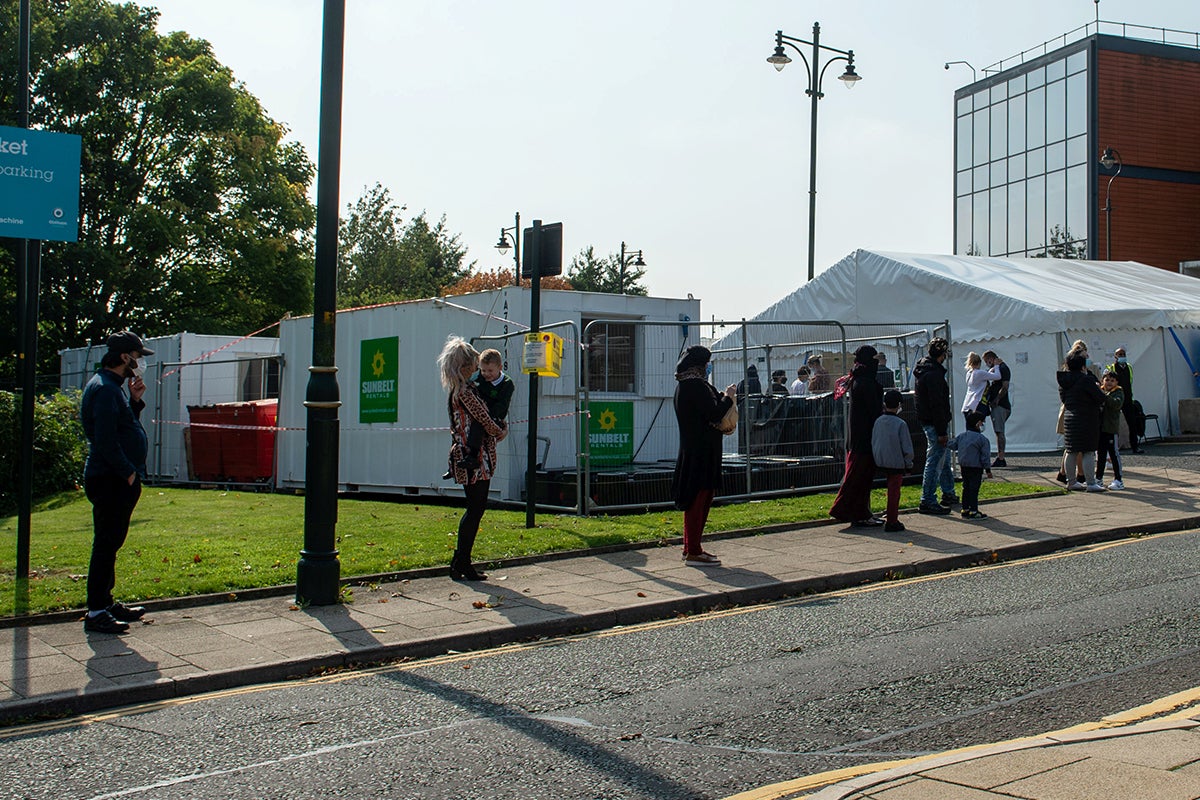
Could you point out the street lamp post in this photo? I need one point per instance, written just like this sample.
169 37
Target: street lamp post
637 262
502 244
1111 156
816 74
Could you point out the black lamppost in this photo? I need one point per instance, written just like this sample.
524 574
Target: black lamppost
1111 156
318 571
502 244
816 74
637 262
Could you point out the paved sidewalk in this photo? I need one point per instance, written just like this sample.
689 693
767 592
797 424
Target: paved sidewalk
56 669
1153 761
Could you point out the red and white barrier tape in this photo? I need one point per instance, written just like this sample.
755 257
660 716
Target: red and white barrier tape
281 428
211 353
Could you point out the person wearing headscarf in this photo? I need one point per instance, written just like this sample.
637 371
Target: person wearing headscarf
853 501
697 479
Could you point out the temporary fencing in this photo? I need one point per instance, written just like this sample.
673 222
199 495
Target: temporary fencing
606 432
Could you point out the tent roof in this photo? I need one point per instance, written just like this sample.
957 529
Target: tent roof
993 298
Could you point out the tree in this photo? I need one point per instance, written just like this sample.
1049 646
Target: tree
384 260
1063 245
498 279
194 212
587 273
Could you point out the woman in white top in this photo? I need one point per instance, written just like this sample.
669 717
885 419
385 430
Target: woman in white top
977 381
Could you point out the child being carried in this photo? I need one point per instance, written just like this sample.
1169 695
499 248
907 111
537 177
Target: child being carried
496 389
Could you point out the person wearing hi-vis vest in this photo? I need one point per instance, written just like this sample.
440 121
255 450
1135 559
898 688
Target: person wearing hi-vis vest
1124 372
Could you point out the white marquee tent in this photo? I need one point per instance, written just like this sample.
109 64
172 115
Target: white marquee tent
1028 310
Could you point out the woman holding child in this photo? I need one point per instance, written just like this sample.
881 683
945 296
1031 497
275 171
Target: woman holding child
457 362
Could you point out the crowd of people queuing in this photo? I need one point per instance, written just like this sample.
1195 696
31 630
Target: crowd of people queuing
878 441
478 394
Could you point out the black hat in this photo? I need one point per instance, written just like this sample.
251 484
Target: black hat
865 354
778 374
694 356
128 342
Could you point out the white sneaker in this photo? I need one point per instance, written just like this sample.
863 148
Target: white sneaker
1116 485
1095 487
1076 486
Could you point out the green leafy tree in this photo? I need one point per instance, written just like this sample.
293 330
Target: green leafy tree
1063 245
59 448
588 273
194 211
382 259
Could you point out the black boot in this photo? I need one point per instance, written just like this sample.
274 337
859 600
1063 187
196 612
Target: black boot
461 569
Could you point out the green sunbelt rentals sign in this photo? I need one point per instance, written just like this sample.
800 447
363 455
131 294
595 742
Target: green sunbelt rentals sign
610 433
379 373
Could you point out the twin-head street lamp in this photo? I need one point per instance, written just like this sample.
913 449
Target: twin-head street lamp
503 244
816 74
1110 157
637 262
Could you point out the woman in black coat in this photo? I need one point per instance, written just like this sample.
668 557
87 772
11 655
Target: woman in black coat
1082 401
698 407
853 502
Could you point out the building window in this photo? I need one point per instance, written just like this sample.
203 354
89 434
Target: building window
610 356
1020 182
258 378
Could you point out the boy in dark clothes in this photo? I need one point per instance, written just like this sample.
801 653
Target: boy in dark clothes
496 389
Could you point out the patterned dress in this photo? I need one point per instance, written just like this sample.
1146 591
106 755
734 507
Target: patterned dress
465 406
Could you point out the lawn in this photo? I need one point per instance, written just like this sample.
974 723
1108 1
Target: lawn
187 541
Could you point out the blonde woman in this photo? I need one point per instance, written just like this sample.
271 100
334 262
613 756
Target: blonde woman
457 362
977 380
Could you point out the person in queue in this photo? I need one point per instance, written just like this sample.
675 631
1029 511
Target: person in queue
697 478
933 411
113 472
456 364
853 501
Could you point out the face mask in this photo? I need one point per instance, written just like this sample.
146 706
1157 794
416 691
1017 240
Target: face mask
1120 359
1087 362
138 367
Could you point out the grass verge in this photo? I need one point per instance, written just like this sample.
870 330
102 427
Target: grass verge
187 542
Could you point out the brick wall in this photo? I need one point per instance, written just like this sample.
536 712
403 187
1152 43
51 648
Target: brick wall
1149 110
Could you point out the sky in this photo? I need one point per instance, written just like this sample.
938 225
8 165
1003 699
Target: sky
657 123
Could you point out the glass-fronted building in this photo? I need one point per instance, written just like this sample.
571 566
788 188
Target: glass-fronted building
1028 140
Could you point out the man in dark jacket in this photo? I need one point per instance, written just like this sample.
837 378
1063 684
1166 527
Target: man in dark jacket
934 413
113 472
1124 372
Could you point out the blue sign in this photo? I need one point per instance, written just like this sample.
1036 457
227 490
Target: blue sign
39 185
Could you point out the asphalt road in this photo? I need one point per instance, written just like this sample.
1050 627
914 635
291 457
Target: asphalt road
690 708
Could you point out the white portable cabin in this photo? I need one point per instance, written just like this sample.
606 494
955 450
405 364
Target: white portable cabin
186 369
1029 310
409 455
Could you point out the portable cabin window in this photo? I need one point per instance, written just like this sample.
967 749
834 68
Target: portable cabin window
258 378
610 355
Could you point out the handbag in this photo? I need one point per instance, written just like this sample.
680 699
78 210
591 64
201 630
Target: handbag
728 423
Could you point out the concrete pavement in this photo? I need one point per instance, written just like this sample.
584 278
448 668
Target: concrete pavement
54 668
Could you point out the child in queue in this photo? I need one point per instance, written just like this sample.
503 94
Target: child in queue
975 459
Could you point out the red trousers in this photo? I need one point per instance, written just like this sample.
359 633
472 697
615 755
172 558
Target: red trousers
694 519
894 483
